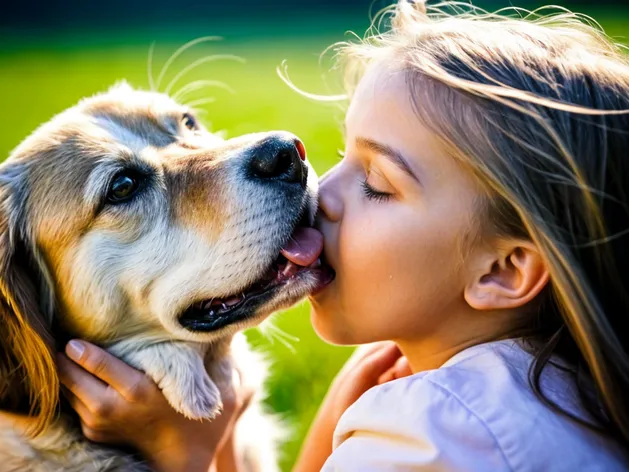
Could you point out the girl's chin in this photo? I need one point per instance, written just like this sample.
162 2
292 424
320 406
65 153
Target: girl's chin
327 327
322 322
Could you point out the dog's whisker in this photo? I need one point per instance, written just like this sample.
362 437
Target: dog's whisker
279 336
202 112
285 335
273 333
149 67
268 332
200 101
179 52
198 85
196 64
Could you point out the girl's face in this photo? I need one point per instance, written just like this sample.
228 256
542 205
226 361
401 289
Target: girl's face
394 214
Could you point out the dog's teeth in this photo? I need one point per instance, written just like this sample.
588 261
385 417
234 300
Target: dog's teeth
290 269
212 303
224 306
232 301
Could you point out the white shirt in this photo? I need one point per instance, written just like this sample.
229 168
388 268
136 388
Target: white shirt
475 413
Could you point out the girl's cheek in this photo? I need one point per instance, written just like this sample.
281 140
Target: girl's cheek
361 242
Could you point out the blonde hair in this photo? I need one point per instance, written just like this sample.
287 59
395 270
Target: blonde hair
536 105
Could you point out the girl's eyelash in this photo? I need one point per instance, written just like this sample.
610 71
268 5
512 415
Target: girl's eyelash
372 194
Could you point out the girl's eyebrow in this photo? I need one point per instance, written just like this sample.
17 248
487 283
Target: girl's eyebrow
391 154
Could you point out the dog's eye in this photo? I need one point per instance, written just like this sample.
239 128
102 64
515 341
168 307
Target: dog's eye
190 122
123 187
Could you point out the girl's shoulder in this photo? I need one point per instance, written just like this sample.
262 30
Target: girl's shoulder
476 412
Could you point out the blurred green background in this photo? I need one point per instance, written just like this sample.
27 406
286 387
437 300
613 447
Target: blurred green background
52 54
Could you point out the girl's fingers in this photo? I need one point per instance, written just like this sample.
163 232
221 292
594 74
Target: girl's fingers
129 382
361 353
386 377
88 419
365 350
76 404
378 362
96 435
84 386
400 369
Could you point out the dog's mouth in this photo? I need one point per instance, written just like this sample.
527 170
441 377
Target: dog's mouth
299 263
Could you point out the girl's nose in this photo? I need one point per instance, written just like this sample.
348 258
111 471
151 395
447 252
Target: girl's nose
330 201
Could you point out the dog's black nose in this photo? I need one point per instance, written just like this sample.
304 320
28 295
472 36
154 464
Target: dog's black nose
280 158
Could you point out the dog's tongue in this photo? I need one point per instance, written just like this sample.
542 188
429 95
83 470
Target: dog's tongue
304 247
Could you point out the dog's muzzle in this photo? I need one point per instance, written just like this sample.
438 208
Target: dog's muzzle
277 167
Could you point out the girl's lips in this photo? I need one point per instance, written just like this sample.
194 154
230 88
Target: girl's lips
325 274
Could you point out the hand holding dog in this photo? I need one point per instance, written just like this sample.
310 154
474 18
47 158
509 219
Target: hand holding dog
118 404
369 365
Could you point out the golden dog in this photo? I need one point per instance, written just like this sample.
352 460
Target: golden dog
126 223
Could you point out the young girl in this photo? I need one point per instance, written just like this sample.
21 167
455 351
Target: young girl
480 221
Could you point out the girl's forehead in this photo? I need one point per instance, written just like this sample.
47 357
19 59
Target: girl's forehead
382 110
380 95
381 79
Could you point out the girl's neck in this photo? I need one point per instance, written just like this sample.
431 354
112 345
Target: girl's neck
429 354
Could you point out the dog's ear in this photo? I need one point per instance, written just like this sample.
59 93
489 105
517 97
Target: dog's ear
28 374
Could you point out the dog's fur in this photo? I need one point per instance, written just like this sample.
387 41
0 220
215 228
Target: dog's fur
120 275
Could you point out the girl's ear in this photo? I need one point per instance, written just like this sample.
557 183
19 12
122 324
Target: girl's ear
510 278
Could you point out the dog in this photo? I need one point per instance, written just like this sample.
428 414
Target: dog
123 221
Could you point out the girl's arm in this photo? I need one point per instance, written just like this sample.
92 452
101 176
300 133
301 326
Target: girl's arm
118 404
369 366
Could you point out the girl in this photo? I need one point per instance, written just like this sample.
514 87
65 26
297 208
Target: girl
479 220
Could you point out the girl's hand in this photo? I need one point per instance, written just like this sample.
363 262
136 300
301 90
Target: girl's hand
369 365
118 404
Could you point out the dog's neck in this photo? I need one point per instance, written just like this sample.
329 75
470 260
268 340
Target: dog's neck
21 424
16 421
60 447
18 427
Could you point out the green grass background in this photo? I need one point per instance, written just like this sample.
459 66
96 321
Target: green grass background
40 77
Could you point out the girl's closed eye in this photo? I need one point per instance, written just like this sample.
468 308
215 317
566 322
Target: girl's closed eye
376 187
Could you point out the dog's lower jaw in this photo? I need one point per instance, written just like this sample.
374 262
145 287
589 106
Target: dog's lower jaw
178 370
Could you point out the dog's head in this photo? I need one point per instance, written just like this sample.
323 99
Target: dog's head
123 216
